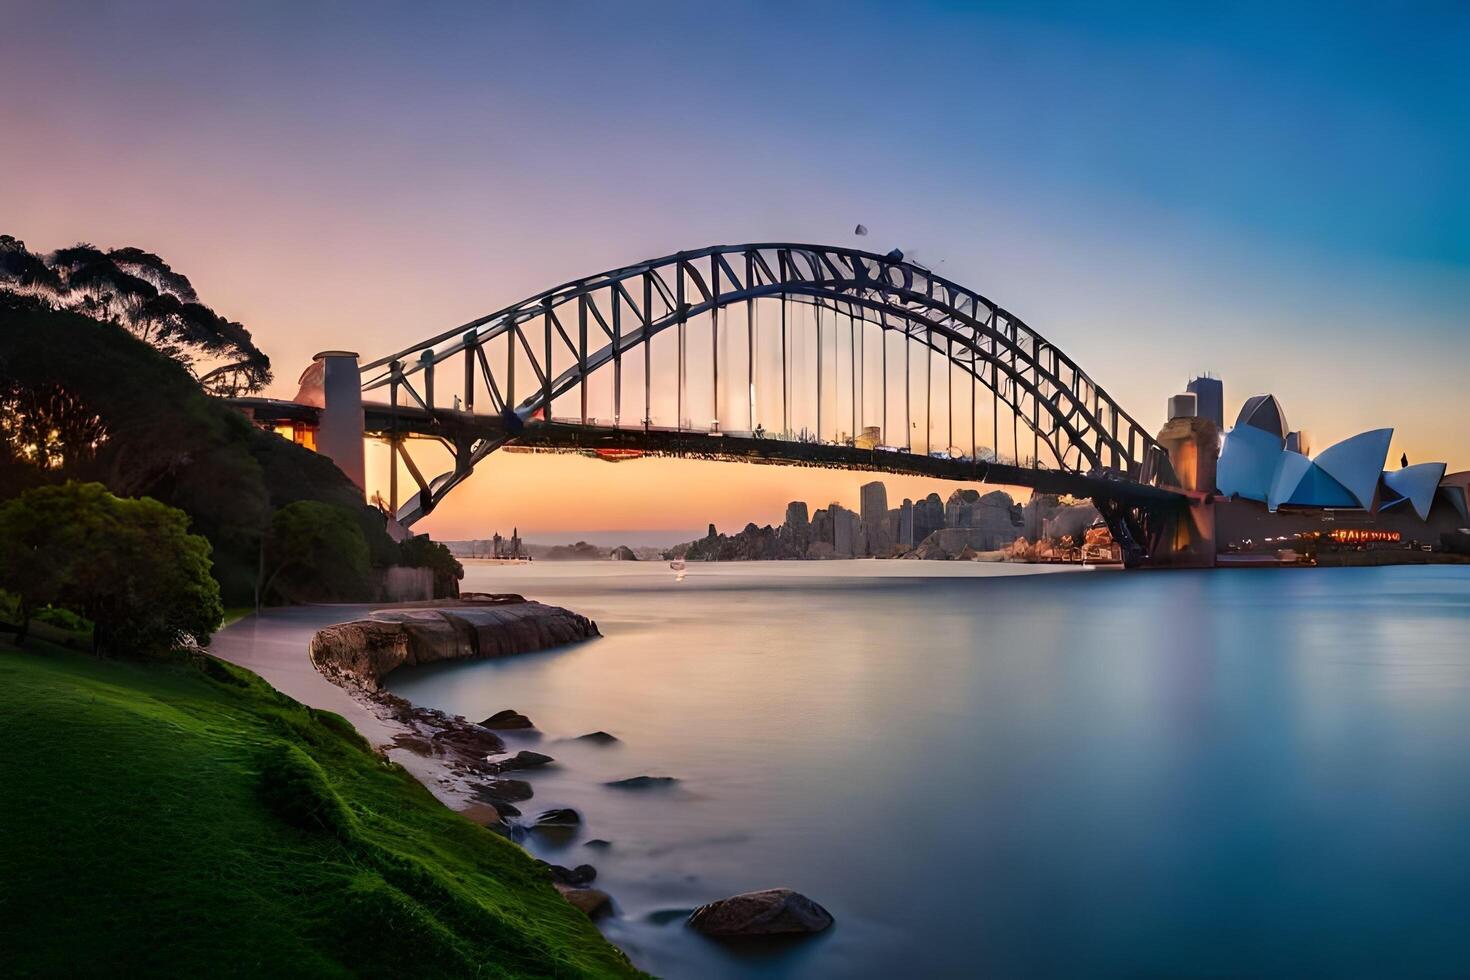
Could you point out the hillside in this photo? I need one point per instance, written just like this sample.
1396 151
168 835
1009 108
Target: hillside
86 400
185 819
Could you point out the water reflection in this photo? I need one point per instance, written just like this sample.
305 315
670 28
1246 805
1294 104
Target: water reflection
1047 774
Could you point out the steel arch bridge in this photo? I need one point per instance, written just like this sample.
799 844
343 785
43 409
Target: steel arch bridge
708 330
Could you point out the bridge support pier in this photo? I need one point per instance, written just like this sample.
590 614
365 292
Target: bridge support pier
1193 445
333 383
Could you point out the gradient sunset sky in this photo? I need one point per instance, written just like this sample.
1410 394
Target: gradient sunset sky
1276 193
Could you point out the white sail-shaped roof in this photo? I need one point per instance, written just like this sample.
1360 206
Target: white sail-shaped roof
1418 483
1317 489
1357 463
1263 412
1247 464
1290 468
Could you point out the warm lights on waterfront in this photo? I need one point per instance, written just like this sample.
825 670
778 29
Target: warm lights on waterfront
1358 535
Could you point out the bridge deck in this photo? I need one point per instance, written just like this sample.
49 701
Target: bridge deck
559 436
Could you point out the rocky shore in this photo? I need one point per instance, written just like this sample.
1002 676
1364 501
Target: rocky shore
361 653
468 765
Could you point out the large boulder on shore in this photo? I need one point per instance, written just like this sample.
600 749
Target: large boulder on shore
361 653
773 912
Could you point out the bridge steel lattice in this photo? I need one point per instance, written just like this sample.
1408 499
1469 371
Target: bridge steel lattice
510 369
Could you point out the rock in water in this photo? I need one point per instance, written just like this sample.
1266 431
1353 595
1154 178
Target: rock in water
578 877
773 912
558 826
565 817
522 760
507 720
597 738
643 782
504 790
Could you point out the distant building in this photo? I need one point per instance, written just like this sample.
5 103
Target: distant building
906 523
1185 406
928 516
874 509
844 530
1209 394
1283 497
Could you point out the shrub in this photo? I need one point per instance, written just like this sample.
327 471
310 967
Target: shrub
62 619
130 566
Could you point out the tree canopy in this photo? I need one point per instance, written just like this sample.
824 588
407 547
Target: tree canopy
315 552
129 565
140 292
84 400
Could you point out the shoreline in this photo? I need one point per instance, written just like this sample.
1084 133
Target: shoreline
449 754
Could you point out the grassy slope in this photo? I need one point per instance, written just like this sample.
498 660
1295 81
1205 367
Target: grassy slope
190 820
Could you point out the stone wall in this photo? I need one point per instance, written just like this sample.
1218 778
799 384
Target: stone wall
399 583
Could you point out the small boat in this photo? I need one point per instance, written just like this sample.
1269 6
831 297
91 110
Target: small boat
678 565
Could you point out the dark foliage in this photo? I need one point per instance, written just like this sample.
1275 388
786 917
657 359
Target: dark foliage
315 552
129 566
88 401
140 292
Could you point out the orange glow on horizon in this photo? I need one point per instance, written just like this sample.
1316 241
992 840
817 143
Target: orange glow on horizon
553 493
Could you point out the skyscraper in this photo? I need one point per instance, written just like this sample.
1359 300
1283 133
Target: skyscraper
874 508
1209 393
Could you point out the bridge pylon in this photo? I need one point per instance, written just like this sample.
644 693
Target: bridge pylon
333 384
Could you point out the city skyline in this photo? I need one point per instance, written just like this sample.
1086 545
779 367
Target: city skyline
1208 195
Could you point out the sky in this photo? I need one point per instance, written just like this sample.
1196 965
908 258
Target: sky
1274 193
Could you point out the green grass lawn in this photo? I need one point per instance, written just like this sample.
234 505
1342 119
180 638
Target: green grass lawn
187 820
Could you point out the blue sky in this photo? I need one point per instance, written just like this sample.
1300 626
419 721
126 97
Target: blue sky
1275 192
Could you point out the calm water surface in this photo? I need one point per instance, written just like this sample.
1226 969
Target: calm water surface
1002 771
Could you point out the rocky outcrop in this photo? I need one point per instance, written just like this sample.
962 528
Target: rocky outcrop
507 720
362 653
773 912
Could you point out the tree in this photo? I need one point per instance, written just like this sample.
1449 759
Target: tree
129 565
314 552
141 293
84 400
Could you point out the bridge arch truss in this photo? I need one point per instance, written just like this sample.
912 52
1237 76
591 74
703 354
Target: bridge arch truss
650 337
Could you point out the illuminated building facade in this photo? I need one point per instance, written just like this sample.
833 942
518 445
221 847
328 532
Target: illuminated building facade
1276 504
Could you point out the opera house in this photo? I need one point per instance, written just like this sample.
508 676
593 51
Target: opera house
1279 504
